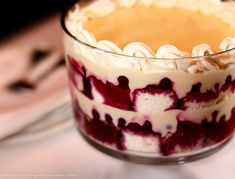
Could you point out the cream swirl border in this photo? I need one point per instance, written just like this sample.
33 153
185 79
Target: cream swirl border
223 10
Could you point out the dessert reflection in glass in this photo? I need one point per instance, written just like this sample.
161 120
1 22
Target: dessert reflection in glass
152 80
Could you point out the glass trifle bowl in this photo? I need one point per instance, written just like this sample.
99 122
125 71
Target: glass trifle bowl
167 106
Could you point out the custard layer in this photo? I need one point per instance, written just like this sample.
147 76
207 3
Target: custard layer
157 26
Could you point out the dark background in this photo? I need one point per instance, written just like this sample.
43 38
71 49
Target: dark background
17 14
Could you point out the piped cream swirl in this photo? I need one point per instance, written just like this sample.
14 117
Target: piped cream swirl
228 43
169 51
108 46
137 49
99 8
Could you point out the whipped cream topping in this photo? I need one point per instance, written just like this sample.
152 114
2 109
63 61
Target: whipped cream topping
125 3
137 49
202 50
85 36
108 46
228 43
169 51
180 61
99 9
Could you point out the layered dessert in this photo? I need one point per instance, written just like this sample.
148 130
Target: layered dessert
153 76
